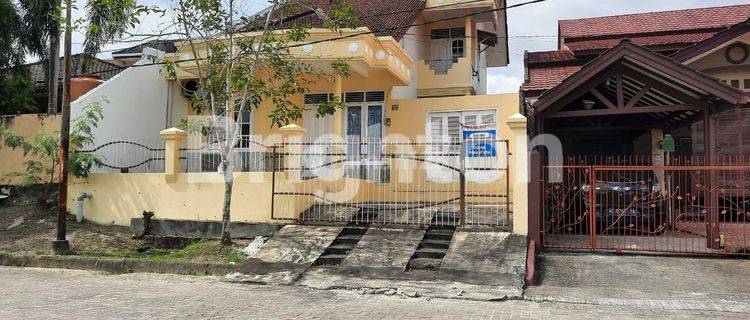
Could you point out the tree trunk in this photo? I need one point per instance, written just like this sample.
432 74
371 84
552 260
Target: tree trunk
226 238
54 70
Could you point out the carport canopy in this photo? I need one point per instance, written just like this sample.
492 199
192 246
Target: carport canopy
630 88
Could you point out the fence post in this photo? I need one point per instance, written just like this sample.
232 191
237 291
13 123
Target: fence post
520 168
292 148
172 143
292 151
535 198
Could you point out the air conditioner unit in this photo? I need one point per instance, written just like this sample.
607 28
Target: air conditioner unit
189 88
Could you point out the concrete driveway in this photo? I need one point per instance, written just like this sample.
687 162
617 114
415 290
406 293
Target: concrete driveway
666 282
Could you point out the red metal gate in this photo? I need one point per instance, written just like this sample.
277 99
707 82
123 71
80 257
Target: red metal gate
631 204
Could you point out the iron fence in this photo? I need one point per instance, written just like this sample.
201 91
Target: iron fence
431 183
124 156
249 156
678 205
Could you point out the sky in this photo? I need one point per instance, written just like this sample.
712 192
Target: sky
530 28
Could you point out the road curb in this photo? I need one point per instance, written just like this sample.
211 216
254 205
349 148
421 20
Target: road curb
114 265
676 305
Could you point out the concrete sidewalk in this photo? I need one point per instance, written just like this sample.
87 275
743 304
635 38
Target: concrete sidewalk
671 283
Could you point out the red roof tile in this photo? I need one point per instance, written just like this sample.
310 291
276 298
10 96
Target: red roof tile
550 56
547 78
679 40
684 28
386 18
691 19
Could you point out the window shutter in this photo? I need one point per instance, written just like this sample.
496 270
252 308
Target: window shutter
488 119
454 127
470 120
436 127
316 98
458 32
354 97
375 96
440 34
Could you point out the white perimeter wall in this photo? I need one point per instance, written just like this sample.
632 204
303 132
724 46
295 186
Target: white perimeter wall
137 107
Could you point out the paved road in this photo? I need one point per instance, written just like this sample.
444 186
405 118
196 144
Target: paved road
65 294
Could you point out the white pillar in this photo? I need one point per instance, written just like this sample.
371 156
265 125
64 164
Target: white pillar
520 168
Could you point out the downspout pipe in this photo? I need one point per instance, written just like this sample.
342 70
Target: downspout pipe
79 205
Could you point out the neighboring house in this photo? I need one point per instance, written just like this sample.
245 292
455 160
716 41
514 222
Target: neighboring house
128 56
672 66
43 119
651 111
38 73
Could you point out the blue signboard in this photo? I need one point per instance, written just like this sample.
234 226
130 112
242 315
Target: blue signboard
480 142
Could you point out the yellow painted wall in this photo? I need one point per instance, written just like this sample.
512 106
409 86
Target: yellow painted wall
196 196
409 123
459 76
26 125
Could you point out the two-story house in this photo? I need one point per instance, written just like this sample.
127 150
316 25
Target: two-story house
418 67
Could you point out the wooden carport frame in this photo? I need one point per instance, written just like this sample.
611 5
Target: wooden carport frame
649 90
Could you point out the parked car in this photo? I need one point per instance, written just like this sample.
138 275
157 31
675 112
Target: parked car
626 207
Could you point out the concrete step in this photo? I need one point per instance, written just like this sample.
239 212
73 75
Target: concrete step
438 236
350 237
441 230
437 244
341 249
430 253
330 259
354 231
425 264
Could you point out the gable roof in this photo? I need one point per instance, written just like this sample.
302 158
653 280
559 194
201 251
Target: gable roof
678 32
384 18
712 42
643 56
655 22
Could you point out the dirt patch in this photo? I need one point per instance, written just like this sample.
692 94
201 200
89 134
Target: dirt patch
26 227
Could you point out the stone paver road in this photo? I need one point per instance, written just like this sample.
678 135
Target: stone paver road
66 294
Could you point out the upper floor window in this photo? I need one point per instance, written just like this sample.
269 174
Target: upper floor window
447 44
457 49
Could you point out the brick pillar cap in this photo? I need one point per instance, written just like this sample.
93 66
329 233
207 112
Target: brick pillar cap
172 133
293 129
516 120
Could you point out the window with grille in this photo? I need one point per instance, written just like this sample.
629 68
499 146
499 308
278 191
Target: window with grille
446 131
446 127
245 121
